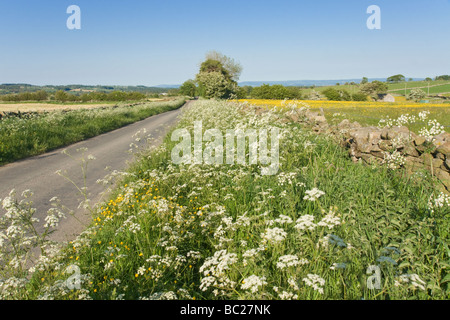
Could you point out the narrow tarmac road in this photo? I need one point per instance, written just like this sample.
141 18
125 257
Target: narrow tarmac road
111 150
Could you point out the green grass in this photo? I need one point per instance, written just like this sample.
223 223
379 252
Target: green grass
372 116
175 230
34 134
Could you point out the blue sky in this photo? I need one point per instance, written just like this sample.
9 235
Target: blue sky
148 42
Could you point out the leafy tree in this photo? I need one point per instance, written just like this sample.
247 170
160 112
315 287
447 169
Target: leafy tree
443 77
217 77
396 78
188 88
359 96
374 88
337 94
61 96
416 94
364 80
232 67
215 85
428 79
277 92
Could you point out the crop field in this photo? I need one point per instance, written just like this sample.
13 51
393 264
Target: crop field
322 227
368 113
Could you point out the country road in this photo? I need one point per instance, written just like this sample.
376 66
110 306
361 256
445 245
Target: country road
111 150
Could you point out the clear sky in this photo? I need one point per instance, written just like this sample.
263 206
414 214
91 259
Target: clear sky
151 42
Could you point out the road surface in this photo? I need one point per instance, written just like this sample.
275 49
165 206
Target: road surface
111 150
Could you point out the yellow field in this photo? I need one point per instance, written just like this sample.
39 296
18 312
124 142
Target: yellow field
366 113
334 104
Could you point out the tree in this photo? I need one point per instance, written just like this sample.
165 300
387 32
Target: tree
428 79
443 77
416 94
374 88
217 76
188 88
337 94
61 96
364 80
233 68
396 78
277 92
215 85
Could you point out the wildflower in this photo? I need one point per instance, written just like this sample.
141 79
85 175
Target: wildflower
314 281
305 222
274 235
330 220
442 200
290 261
283 219
335 266
313 195
253 283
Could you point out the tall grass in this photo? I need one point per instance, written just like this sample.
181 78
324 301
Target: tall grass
34 134
313 231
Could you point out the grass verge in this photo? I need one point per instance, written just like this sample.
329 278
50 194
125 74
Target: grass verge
33 134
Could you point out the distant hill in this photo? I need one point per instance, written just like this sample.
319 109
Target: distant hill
8 88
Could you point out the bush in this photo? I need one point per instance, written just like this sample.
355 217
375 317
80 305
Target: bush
359 96
276 92
337 95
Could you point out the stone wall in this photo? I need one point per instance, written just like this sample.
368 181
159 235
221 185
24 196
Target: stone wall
372 144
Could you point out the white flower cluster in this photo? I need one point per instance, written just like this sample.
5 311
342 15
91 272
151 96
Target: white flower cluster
441 201
274 235
313 195
287 178
314 281
306 222
394 160
290 261
253 283
214 269
435 128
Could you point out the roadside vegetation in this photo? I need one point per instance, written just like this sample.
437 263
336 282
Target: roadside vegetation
29 134
322 228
